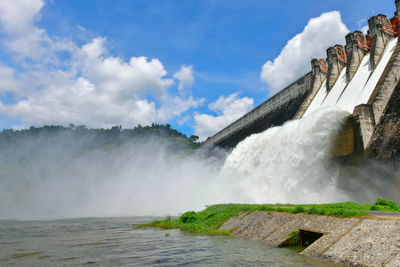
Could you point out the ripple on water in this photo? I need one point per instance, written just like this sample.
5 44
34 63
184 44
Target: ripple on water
107 241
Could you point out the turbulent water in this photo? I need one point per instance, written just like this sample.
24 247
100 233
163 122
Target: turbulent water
111 242
289 163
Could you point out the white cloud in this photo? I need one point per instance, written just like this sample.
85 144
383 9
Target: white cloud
365 29
123 80
89 86
80 103
107 92
17 16
176 106
17 21
7 80
185 77
228 110
294 59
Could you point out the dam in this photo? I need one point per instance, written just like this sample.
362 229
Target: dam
360 77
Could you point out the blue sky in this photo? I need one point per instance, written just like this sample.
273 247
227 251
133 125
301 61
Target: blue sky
69 61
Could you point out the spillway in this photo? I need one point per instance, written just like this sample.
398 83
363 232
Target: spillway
358 91
359 78
320 154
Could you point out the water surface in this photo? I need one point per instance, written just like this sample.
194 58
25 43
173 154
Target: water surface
112 242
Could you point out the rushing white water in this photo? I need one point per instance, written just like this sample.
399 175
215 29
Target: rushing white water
291 163
318 99
350 96
377 73
288 163
337 89
325 98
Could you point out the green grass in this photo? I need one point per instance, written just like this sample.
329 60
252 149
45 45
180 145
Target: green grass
209 220
205 222
295 239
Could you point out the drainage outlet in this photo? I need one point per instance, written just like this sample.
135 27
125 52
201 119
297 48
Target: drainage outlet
308 237
301 238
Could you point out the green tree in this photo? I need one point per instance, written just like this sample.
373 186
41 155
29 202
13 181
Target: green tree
193 138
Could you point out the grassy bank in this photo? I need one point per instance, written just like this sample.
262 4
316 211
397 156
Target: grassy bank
209 220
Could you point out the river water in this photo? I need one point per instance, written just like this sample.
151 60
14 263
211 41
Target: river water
112 242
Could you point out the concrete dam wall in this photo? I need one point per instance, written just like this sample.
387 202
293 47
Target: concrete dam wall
275 111
360 77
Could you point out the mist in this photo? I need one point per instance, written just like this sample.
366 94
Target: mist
57 175
65 174
293 163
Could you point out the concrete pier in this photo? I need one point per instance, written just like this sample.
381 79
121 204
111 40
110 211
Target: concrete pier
367 122
319 71
337 60
379 37
356 46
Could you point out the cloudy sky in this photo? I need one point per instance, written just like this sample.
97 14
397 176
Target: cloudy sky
197 65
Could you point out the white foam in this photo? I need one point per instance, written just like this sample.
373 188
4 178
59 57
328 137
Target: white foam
336 91
287 163
319 97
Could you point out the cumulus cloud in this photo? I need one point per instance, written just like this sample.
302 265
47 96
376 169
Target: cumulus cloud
185 77
123 80
17 16
294 59
17 21
228 109
89 86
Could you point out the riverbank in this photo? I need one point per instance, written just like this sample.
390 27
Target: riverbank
353 241
208 221
343 233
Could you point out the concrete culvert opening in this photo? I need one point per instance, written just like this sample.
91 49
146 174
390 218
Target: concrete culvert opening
301 238
308 237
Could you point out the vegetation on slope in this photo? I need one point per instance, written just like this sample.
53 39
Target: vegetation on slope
58 143
114 136
209 220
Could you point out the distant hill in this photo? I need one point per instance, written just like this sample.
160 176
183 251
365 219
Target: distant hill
96 138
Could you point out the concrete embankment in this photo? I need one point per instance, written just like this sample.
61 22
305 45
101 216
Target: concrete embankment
357 241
